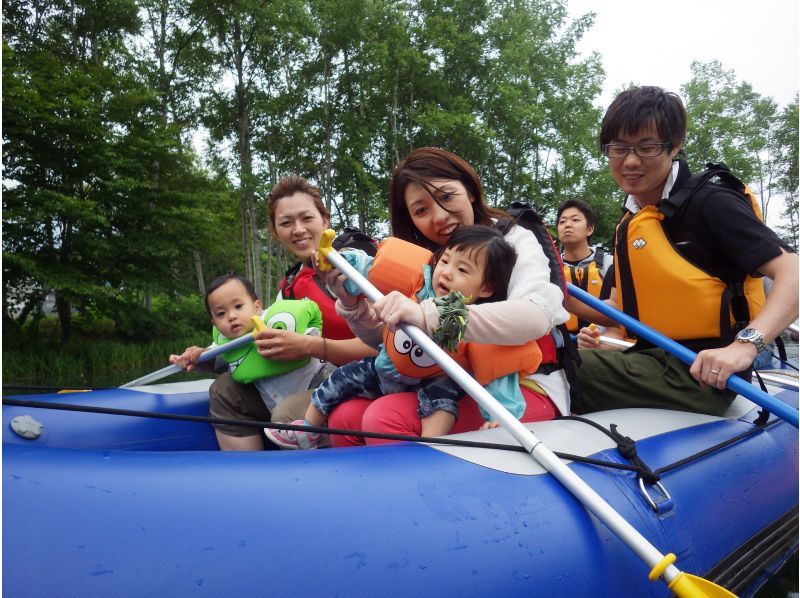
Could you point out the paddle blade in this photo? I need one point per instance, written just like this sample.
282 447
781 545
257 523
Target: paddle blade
691 586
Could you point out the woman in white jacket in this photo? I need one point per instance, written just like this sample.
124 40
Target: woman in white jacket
432 193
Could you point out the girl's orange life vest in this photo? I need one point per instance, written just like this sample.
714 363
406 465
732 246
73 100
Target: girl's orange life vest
398 267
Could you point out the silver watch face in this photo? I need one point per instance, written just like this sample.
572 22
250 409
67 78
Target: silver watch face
747 334
751 335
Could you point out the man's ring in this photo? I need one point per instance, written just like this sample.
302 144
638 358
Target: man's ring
715 372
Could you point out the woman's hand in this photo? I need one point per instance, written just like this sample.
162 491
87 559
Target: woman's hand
282 345
395 308
589 337
489 425
188 359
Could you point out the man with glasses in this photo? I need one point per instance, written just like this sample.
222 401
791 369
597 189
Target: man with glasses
689 269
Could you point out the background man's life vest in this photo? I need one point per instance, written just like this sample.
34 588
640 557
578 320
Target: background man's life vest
588 278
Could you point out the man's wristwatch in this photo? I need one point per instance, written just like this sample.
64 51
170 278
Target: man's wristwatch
751 335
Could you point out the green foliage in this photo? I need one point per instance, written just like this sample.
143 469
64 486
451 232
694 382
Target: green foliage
105 351
106 203
95 364
101 200
729 122
787 158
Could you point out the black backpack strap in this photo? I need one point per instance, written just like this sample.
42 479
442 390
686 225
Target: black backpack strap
569 358
287 288
599 258
718 170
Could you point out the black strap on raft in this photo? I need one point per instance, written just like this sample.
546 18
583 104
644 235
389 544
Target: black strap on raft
782 356
320 430
525 216
350 238
627 446
763 414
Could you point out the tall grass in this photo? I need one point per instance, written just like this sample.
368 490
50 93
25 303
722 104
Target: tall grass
96 363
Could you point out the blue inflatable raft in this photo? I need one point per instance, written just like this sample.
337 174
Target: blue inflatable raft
113 505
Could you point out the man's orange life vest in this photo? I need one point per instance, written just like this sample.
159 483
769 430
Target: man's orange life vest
661 288
590 279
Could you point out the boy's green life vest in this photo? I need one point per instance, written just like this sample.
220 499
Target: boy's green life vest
247 365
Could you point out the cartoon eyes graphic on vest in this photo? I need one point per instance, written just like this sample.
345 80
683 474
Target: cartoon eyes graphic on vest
283 321
639 243
404 345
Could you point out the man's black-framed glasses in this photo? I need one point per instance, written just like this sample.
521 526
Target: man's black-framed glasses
643 150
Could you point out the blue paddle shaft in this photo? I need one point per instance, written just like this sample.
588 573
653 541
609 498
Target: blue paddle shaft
758 396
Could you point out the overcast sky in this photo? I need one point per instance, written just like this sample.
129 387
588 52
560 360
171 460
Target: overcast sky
654 43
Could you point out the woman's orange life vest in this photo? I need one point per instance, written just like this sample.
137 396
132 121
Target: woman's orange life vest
666 291
398 267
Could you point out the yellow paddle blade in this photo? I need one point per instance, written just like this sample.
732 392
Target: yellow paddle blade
325 245
691 586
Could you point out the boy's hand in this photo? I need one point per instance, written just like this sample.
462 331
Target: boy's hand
589 337
188 359
489 425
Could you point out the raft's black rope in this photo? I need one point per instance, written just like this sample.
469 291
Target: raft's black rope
277 426
626 447
50 389
699 455
639 467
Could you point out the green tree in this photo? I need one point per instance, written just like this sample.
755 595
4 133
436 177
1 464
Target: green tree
538 107
786 141
731 123
99 197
